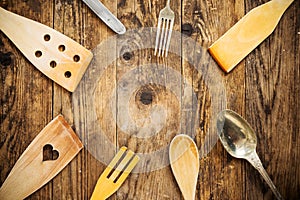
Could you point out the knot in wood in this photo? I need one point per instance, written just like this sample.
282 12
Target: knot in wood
187 29
5 59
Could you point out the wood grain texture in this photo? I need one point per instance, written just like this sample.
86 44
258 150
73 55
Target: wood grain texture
263 88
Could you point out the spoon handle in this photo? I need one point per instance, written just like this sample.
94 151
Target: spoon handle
255 161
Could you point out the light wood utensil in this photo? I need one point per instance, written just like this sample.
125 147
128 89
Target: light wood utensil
184 159
33 170
247 33
115 174
57 56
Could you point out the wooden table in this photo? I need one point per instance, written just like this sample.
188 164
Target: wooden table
264 88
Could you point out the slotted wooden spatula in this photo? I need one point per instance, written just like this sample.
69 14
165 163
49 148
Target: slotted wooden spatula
247 33
57 56
33 170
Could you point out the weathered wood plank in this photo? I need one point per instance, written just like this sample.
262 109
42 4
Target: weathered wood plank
205 21
272 106
26 94
146 97
264 88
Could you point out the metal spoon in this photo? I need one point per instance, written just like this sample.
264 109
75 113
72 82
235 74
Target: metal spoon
239 139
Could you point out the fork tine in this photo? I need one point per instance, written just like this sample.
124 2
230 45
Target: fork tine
106 186
114 161
128 169
161 36
122 165
157 36
169 37
165 37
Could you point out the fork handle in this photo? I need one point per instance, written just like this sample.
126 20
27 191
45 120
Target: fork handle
168 3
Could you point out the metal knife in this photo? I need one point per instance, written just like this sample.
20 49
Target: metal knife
106 16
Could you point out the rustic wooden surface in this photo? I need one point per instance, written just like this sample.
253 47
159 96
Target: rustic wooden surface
264 88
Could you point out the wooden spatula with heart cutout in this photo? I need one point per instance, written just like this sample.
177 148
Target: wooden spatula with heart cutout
247 33
33 169
57 56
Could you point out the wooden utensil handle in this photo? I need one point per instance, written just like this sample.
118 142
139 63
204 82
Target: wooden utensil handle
31 171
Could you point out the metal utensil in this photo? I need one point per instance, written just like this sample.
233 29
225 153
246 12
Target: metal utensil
184 159
164 30
106 16
239 139
115 174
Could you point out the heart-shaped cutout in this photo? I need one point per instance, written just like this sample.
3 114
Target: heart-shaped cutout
49 153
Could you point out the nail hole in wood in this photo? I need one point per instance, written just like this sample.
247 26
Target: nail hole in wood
53 64
68 74
62 48
38 54
47 37
76 58
49 153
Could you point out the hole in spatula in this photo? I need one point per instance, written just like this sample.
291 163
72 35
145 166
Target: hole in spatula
49 153
61 48
38 54
47 37
76 58
68 74
53 64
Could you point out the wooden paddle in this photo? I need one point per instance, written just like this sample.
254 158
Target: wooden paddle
247 33
54 54
33 169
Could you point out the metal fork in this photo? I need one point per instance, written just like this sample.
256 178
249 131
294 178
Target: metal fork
115 174
164 30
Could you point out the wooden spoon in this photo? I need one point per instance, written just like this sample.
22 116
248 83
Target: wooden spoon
247 33
184 159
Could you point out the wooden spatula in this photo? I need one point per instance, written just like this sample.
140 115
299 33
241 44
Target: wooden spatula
32 170
184 159
247 33
57 56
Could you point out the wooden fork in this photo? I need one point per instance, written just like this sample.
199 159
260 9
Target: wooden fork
115 174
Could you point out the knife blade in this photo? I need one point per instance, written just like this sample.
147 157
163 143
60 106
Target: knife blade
106 16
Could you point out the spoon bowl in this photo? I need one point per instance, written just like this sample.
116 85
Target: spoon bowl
239 139
236 134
